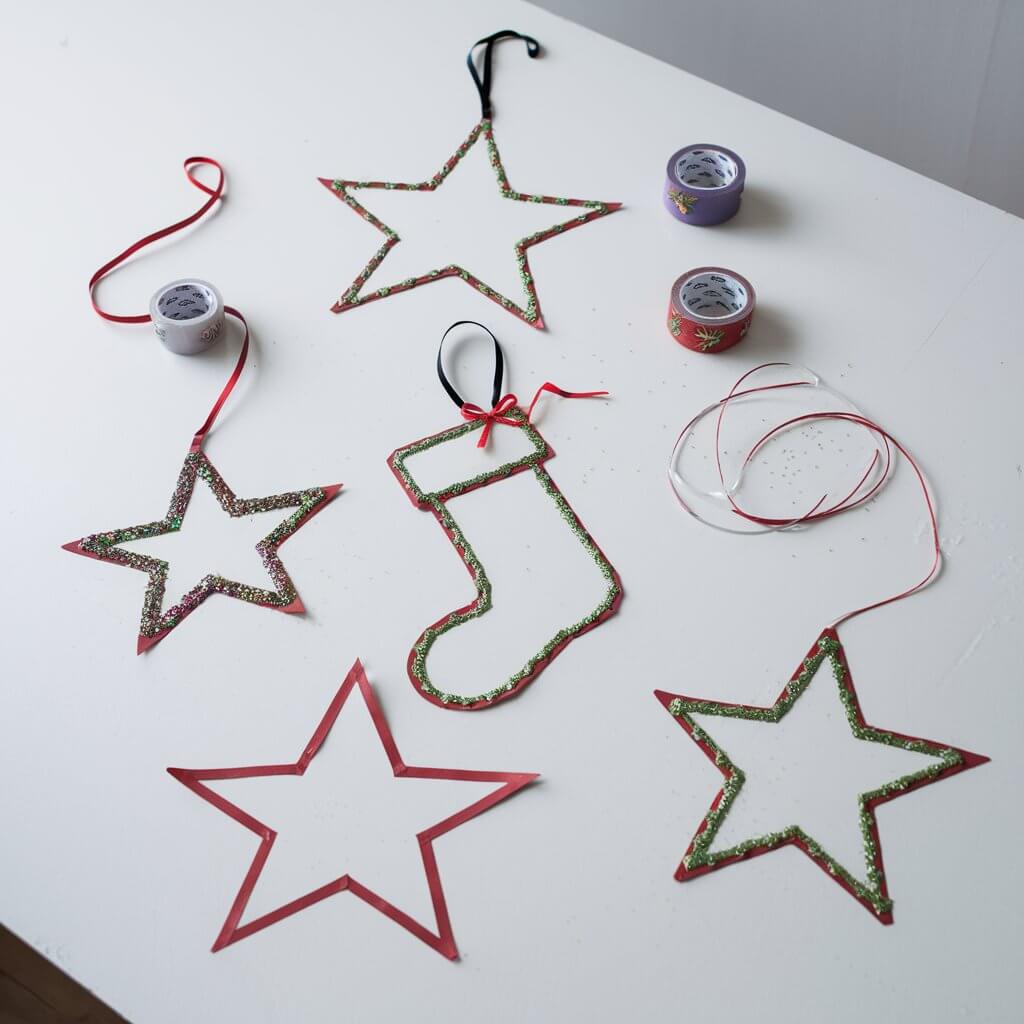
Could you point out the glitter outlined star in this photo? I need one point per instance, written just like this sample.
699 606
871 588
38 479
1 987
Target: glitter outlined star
531 312
874 894
157 623
442 940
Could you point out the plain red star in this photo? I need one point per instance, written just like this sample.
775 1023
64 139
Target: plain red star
443 939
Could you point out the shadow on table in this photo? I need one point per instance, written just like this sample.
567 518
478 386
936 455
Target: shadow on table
761 210
771 337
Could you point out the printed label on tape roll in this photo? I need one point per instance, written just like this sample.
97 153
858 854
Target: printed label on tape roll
188 316
704 184
710 309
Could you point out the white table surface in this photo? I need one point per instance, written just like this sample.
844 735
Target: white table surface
901 292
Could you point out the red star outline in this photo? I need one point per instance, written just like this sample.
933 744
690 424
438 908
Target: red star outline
443 941
104 547
875 899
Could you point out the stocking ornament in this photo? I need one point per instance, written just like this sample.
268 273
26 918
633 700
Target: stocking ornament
188 317
528 308
867 882
504 412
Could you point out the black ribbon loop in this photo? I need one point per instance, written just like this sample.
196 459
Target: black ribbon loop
499 365
483 87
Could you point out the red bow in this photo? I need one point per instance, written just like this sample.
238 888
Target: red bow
499 414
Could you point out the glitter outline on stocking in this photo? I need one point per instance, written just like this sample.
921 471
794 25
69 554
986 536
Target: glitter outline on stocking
435 502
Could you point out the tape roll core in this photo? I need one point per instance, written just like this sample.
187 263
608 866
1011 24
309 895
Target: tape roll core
712 295
188 315
705 168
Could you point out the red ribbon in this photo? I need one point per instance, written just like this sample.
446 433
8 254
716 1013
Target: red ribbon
497 415
197 441
215 194
853 499
500 412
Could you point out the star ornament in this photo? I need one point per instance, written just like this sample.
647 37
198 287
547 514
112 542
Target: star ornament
873 892
156 622
530 312
441 938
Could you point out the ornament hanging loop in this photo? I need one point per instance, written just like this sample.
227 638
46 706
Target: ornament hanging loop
483 85
504 409
499 365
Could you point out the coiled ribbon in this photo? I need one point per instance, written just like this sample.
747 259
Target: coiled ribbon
216 193
862 493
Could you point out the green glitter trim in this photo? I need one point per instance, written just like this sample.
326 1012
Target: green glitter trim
482 603
155 621
538 454
700 855
530 312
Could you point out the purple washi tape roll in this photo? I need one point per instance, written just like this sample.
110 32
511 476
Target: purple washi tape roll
704 184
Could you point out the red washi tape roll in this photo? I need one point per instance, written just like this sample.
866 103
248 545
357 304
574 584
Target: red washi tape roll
710 309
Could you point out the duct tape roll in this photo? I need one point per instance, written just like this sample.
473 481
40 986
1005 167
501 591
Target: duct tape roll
704 184
188 316
710 309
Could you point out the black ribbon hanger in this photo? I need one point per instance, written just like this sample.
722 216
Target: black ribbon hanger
483 86
499 365
504 408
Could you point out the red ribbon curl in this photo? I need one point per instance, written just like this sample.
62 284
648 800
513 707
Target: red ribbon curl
215 193
504 405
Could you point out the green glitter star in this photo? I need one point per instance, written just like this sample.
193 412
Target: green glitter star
873 893
435 502
157 623
530 312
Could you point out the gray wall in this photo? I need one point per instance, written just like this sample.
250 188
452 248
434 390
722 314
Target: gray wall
935 85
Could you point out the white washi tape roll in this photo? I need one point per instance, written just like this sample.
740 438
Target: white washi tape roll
188 316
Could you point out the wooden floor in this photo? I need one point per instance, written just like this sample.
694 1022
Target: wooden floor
34 991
